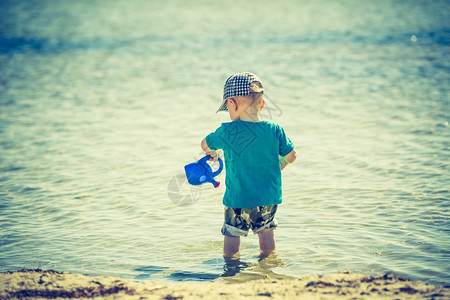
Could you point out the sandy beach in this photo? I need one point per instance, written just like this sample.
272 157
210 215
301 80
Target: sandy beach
38 284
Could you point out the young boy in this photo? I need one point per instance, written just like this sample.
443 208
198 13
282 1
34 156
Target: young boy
255 153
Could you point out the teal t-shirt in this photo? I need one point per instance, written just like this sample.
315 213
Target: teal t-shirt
251 150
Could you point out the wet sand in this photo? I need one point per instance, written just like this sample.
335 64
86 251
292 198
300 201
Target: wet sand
37 284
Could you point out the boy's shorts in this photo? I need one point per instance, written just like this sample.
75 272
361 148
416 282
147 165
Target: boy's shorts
238 221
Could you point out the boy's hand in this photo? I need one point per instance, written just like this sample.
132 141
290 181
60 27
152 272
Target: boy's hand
208 151
283 162
288 159
213 154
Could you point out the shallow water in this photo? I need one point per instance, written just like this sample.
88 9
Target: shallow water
102 104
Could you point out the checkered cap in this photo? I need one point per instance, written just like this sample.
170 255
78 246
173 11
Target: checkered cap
237 85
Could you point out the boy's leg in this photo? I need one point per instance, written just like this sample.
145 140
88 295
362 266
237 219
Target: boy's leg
267 241
231 245
235 225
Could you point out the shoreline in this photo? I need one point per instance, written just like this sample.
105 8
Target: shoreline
49 284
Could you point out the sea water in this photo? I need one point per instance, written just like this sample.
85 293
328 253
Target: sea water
102 103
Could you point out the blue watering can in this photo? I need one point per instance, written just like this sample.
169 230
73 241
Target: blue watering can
200 172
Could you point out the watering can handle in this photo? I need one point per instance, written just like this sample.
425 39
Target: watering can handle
220 168
204 159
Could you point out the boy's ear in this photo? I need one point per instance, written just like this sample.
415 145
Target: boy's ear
233 103
262 105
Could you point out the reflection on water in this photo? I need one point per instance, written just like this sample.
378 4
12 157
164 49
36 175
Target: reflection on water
233 266
235 269
239 270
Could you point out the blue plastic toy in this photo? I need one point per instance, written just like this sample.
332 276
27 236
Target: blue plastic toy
200 172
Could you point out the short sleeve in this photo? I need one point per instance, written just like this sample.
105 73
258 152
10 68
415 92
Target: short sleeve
214 140
285 144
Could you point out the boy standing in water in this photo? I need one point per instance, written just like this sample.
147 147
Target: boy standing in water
255 153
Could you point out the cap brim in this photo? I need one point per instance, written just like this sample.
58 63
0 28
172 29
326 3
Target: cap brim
223 107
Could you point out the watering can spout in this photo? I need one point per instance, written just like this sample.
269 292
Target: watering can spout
215 183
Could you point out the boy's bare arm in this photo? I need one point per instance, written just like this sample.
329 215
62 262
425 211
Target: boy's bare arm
288 159
208 151
291 157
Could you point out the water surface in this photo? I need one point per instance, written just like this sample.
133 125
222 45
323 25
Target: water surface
102 104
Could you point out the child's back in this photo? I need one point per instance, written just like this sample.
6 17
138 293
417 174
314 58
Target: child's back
251 151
